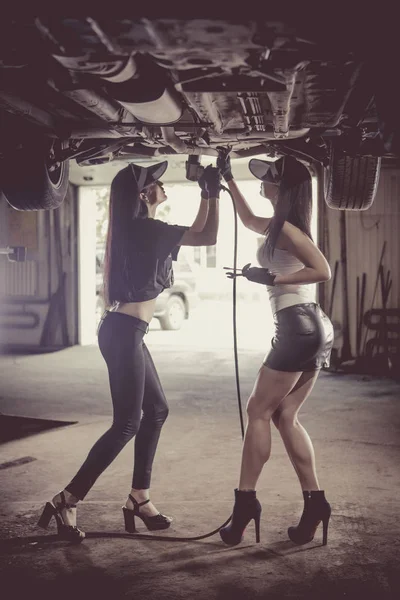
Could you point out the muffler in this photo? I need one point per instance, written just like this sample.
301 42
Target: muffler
136 83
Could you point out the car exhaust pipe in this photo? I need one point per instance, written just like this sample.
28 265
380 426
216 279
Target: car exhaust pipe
125 83
169 136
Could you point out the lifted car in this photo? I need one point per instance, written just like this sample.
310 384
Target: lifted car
108 89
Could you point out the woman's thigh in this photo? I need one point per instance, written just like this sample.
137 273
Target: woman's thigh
292 403
270 388
127 384
122 349
154 397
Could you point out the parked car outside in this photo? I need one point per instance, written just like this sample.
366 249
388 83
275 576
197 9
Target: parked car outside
174 305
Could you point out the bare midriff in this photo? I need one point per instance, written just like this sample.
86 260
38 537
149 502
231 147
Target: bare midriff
140 310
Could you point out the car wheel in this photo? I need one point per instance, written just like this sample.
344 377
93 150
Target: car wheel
351 182
28 182
174 314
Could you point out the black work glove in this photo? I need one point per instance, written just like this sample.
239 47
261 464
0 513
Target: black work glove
255 274
212 181
224 163
203 186
258 275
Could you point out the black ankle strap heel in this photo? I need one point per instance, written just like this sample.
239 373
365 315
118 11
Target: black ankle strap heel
70 533
152 523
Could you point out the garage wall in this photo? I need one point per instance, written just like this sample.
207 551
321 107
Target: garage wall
365 235
38 297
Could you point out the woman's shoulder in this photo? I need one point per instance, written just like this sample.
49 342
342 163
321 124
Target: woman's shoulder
151 223
143 222
148 226
292 233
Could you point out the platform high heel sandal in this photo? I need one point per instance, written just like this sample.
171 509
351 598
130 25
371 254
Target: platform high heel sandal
316 510
246 508
70 533
152 523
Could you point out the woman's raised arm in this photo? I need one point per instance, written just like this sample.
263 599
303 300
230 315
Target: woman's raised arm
201 217
246 215
208 235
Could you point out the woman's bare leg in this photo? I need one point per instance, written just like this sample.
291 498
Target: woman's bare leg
296 439
270 388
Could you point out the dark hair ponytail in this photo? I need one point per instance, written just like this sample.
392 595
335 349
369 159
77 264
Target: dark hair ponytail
125 205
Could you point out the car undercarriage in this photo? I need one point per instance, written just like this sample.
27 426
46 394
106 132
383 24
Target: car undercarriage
97 91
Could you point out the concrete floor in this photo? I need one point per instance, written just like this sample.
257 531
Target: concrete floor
354 422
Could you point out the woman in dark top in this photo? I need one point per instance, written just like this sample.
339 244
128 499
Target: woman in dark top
138 267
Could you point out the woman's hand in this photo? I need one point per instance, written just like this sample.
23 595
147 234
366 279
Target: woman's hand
256 274
203 186
224 163
211 179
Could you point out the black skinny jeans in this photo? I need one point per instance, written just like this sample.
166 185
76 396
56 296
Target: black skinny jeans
135 387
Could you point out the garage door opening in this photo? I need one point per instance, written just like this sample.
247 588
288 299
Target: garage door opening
197 311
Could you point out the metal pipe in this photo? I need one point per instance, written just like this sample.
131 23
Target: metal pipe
84 132
116 70
96 103
169 136
180 147
25 109
33 325
145 151
346 348
280 106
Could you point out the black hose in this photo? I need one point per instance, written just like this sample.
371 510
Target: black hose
146 536
235 248
6 545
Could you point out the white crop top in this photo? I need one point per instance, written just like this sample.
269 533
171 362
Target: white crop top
287 294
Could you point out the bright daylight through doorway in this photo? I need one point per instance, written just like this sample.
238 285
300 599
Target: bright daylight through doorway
197 312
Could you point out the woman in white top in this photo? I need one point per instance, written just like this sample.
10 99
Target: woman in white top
302 343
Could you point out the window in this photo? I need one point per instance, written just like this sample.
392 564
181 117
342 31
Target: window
211 260
182 264
197 254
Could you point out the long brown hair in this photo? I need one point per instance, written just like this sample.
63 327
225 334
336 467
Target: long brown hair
125 205
294 205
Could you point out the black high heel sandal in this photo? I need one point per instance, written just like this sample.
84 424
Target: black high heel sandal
246 508
316 510
70 533
152 523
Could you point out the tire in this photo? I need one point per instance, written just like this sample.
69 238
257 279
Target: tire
174 314
351 182
27 182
